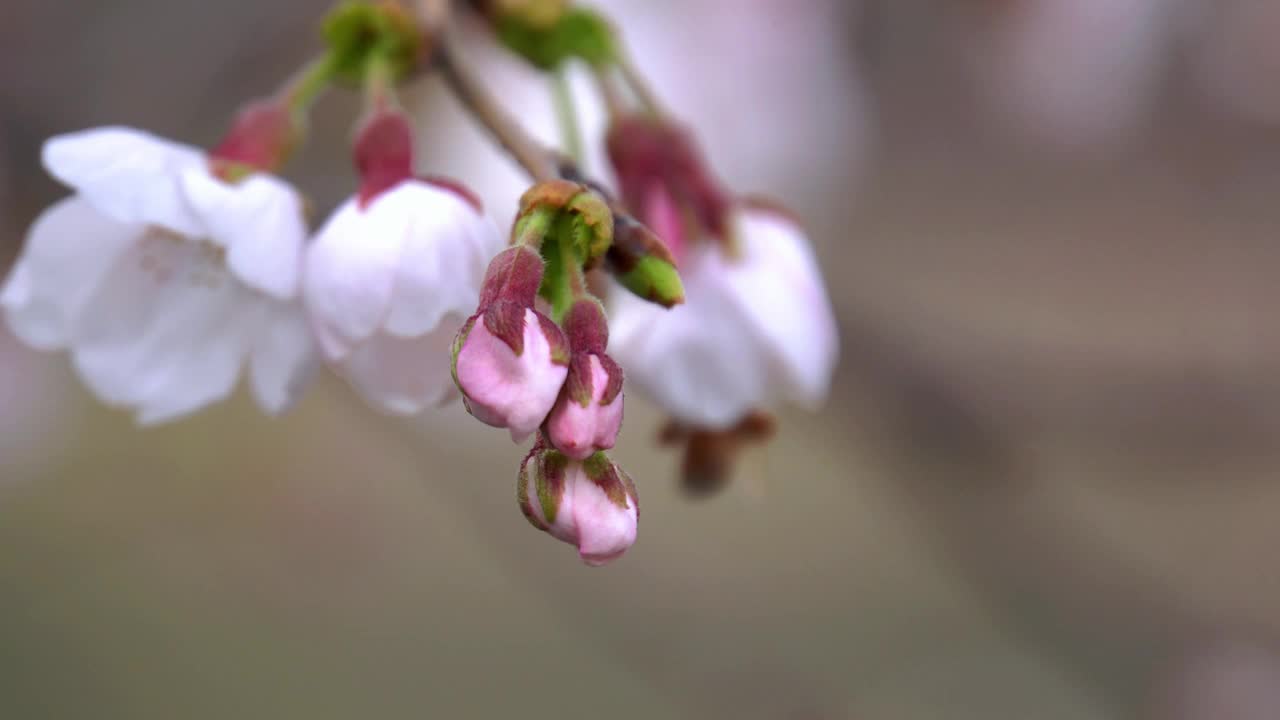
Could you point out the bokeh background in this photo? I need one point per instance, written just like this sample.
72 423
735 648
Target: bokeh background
1045 484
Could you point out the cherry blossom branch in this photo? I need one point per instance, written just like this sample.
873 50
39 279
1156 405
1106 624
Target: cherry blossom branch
566 115
638 84
614 103
523 147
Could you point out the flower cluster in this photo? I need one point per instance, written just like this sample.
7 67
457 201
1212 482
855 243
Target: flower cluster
170 268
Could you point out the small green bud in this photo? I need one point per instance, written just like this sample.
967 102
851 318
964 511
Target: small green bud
655 280
575 33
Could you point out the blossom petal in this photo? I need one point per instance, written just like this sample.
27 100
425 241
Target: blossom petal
405 376
283 360
259 221
779 285
350 274
126 174
447 244
205 371
701 361
68 249
604 532
164 304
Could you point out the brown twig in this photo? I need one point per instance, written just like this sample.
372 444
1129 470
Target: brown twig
536 160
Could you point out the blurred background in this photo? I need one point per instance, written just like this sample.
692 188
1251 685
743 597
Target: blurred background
1045 484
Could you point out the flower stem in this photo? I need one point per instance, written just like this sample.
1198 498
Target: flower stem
528 152
379 83
567 115
638 84
305 87
615 104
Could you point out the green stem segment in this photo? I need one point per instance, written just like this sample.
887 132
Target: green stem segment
379 82
309 84
639 86
550 232
484 108
563 281
566 115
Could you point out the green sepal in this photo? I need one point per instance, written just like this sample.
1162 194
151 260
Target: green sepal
578 33
655 280
600 470
553 466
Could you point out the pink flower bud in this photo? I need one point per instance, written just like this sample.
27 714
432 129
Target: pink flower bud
664 177
261 138
510 360
590 503
588 413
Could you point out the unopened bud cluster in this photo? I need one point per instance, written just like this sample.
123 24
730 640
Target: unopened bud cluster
519 369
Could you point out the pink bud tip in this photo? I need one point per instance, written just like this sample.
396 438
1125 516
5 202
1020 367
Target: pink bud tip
588 414
261 137
590 504
383 153
510 363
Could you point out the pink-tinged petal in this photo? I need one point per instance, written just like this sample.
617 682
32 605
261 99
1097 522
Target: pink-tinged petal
663 217
404 376
589 504
68 249
779 285
604 531
283 359
129 175
260 222
580 430
447 244
504 389
349 274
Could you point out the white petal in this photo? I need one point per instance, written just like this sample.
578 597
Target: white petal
69 247
701 361
447 245
126 174
350 274
778 283
260 222
283 360
145 327
405 376
206 370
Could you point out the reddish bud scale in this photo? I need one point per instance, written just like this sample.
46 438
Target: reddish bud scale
588 334
588 413
261 137
383 153
647 154
580 385
513 275
586 326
